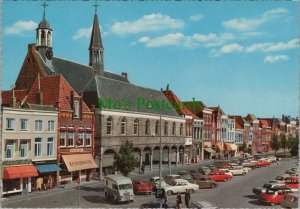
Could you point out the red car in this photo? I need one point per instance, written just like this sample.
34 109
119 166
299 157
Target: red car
272 197
141 186
219 176
292 182
262 163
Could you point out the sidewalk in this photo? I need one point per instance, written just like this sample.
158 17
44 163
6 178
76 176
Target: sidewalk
133 174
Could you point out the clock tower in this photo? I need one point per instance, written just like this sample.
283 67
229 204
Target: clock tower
44 37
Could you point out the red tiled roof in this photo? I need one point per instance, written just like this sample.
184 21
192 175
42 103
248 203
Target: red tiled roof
183 110
56 90
19 94
239 122
199 106
265 122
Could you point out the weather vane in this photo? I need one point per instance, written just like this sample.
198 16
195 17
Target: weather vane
96 5
44 5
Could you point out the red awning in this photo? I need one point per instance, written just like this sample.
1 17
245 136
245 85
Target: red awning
16 172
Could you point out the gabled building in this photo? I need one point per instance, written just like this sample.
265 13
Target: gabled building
217 129
256 132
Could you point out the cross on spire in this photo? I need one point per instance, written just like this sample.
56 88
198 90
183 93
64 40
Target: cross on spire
44 5
96 5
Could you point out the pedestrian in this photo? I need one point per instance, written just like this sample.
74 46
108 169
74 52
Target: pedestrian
277 160
165 195
178 201
143 168
187 198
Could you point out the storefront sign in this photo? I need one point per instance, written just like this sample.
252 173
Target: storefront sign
76 150
79 162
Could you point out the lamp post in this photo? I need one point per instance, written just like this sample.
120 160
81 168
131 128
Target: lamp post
160 149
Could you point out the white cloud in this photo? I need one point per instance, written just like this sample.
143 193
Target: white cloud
196 18
172 39
152 22
268 47
248 24
277 58
231 48
144 39
19 27
83 33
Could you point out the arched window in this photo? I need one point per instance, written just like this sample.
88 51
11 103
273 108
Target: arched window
156 127
136 127
43 38
166 128
174 129
181 129
109 125
49 39
147 127
123 126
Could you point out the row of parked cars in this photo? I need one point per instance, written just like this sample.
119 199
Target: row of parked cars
282 190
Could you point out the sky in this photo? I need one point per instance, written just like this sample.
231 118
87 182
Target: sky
240 55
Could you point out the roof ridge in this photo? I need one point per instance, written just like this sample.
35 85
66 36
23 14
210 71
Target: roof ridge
73 62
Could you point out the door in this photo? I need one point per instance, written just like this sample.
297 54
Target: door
25 185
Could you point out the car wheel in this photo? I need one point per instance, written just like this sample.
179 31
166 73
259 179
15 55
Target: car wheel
225 179
191 191
169 192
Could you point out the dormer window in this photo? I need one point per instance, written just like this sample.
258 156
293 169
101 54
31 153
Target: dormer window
76 109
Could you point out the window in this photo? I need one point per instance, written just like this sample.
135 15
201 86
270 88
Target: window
50 146
10 124
156 127
88 139
166 128
174 129
63 139
123 126
76 109
50 125
147 127
24 149
80 138
38 125
109 125
24 124
181 129
136 127
37 147
71 139
10 149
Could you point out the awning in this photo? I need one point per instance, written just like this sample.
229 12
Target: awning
220 147
46 168
209 150
233 147
16 172
228 147
79 162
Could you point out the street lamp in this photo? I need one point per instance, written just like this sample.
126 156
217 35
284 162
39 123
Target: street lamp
160 148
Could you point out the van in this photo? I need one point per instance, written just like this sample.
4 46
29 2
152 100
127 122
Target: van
118 188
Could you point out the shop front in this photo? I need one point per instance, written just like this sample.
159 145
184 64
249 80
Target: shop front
75 167
18 179
47 178
230 149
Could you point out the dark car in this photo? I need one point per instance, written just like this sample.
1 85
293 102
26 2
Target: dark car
158 204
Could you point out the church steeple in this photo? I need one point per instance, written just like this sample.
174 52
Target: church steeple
44 32
96 48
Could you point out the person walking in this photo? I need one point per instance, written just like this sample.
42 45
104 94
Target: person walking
143 168
187 198
277 160
178 201
165 195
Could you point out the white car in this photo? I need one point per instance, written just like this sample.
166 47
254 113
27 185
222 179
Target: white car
169 179
247 169
226 171
154 181
238 170
180 185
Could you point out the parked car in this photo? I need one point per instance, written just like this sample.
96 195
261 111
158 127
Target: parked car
290 200
219 176
180 185
204 181
292 182
291 172
204 170
202 205
262 163
157 203
226 171
170 178
267 186
280 179
238 170
249 165
272 197
141 186
187 177
154 182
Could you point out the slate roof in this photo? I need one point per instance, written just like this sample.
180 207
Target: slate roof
44 24
105 88
96 40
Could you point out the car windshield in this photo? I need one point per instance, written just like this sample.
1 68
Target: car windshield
125 186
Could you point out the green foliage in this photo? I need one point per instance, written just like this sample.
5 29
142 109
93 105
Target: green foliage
293 144
283 142
125 160
275 143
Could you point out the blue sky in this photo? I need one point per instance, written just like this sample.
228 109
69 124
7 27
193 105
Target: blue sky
239 55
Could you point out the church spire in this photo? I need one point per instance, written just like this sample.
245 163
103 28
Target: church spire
96 48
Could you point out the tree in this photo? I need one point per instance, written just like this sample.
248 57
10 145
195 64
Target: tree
125 160
275 143
293 144
283 143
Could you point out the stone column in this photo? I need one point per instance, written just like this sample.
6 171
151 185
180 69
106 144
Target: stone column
141 161
100 166
170 157
177 157
151 160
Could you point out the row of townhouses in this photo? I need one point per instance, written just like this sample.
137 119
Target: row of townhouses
56 130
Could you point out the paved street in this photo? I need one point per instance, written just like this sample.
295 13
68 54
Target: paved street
235 193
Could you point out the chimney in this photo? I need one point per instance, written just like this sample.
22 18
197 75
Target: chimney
13 99
167 89
124 74
39 93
